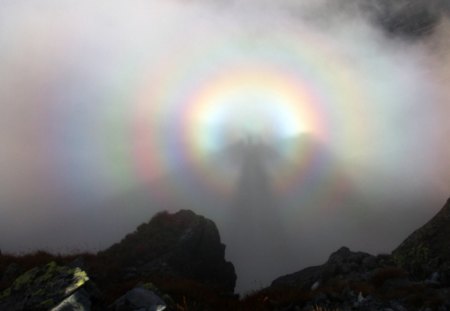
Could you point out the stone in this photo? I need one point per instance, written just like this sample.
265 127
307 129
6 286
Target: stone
343 262
427 250
315 285
79 301
181 245
42 288
304 279
139 299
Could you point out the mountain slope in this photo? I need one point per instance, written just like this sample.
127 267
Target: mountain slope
427 250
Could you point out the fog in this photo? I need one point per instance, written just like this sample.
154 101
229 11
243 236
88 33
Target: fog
297 127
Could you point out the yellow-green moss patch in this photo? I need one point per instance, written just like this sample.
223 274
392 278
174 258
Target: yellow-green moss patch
6 293
25 279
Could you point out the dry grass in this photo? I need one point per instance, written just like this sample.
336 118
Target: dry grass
362 287
317 308
385 274
38 258
190 295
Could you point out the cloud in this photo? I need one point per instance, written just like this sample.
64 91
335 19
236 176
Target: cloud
92 97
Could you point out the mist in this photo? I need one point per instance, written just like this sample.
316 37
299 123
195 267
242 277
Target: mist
297 127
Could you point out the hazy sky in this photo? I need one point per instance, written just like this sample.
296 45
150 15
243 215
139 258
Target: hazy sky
301 124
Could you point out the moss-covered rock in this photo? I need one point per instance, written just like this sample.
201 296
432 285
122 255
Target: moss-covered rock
42 288
139 298
427 250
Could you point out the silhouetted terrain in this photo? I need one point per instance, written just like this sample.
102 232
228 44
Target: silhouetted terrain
298 227
176 262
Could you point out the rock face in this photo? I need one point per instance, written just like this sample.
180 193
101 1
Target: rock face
79 301
427 250
357 281
43 288
180 245
415 277
354 266
139 299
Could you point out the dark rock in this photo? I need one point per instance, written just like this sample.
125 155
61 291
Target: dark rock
11 272
395 283
370 262
304 279
130 273
79 301
342 263
409 19
320 298
180 245
78 262
139 299
43 288
427 250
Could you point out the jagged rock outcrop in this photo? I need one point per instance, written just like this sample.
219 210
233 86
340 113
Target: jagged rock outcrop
181 245
46 287
78 301
343 263
357 281
427 250
414 277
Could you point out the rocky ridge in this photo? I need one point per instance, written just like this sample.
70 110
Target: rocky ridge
182 245
181 251
414 277
176 262
427 250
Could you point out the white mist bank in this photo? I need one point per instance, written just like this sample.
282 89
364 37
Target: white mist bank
114 111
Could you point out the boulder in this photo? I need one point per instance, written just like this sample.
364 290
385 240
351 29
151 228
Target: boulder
43 288
353 266
78 301
181 245
141 299
426 252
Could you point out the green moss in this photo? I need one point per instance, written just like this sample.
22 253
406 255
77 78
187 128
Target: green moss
79 277
45 285
39 292
414 258
47 304
50 270
6 293
25 279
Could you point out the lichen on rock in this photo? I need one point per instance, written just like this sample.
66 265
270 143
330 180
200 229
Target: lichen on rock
41 288
427 250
